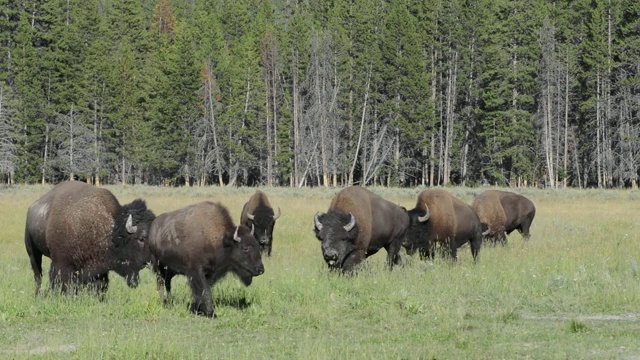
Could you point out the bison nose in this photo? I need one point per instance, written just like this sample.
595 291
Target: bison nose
330 255
259 270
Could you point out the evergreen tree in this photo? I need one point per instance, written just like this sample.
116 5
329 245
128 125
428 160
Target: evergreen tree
509 52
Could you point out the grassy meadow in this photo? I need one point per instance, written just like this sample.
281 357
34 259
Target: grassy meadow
572 292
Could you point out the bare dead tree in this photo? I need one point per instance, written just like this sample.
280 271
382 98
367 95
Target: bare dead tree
7 140
74 142
321 114
208 154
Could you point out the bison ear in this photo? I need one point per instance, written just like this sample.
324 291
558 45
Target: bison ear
129 225
275 217
424 217
236 238
317 223
351 224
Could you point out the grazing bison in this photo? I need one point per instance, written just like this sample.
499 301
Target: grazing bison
441 218
201 242
257 212
357 225
503 211
86 233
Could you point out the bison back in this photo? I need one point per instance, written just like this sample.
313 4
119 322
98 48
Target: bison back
181 237
489 209
80 227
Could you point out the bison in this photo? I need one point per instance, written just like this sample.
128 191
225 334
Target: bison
441 218
502 212
86 233
201 242
257 212
357 225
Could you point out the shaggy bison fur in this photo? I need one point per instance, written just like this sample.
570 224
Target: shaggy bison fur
201 242
86 233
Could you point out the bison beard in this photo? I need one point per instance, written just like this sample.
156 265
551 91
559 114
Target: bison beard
502 212
441 218
201 242
86 233
258 213
358 224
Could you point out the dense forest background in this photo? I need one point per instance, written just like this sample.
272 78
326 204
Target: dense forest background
321 93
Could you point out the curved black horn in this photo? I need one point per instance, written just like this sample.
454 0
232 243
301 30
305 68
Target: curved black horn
129 225
317 222
351 223
424 217
235 235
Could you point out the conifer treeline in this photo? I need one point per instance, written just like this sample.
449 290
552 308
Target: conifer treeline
293 93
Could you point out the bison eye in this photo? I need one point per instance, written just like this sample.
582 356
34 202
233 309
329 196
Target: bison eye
246 248
140 241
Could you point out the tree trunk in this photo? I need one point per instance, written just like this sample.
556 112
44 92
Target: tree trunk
364 112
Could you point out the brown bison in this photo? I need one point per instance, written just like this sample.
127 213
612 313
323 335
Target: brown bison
441 218
258 213
357 225
86 233
504 211
201 242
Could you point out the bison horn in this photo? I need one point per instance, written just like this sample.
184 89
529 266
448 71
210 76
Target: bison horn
425 217
250 216
235 235
275 217
351 223
317 222
253 228
129 225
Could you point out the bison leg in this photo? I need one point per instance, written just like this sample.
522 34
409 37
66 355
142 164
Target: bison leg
163 281
453 250
352 260
201 292
62 278
475 243
502 238
393 256
524 230
35 256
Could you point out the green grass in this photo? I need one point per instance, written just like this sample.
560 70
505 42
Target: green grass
573 291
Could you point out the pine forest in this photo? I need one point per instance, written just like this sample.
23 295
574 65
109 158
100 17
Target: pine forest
321 93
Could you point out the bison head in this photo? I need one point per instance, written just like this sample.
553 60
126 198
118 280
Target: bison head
243 252
263 219
131 233
415 236
338 232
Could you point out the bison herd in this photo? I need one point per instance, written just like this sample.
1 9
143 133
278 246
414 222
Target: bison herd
86 233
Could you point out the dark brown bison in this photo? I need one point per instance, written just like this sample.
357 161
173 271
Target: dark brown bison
201 242
502 212
86 233
357 225
441 218
258 213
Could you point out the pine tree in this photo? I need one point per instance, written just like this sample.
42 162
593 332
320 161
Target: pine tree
509 52
32 111
128 87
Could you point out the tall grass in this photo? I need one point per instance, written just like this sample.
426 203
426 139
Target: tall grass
572 291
